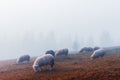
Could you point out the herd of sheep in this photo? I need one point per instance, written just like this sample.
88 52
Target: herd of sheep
49 57
46 59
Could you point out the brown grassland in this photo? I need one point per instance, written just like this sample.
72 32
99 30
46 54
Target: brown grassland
73 67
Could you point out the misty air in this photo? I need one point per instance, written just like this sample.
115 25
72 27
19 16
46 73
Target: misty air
59 40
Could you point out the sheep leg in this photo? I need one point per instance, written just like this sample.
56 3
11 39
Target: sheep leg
39 69
51 65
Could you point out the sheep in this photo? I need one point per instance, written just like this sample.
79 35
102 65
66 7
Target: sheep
98 53
113 49
86 49
46 59
23 58
50 52
106 50
83 49
96 48
61 52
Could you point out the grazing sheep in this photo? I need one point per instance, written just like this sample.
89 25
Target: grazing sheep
43 60
86 49
96 48
98 53
113 49
23 58
61 52
50 52
83 49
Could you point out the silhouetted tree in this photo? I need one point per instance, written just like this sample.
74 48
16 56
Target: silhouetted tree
90 41
75 43
50 40
105 39
28 42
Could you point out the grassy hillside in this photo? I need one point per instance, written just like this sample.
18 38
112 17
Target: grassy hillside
73 67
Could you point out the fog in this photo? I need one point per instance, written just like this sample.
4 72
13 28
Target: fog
34 26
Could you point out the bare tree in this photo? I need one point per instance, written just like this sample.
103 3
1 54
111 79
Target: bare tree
28 42
75 43
105 39
90 41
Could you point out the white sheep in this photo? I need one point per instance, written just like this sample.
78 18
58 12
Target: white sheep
61 52
23 58
46 59
113 49
98 53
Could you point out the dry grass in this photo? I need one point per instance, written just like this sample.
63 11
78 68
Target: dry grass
73 67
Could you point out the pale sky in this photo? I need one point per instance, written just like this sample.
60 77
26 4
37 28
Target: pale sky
83 18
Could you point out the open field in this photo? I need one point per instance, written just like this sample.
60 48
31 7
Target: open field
73 67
